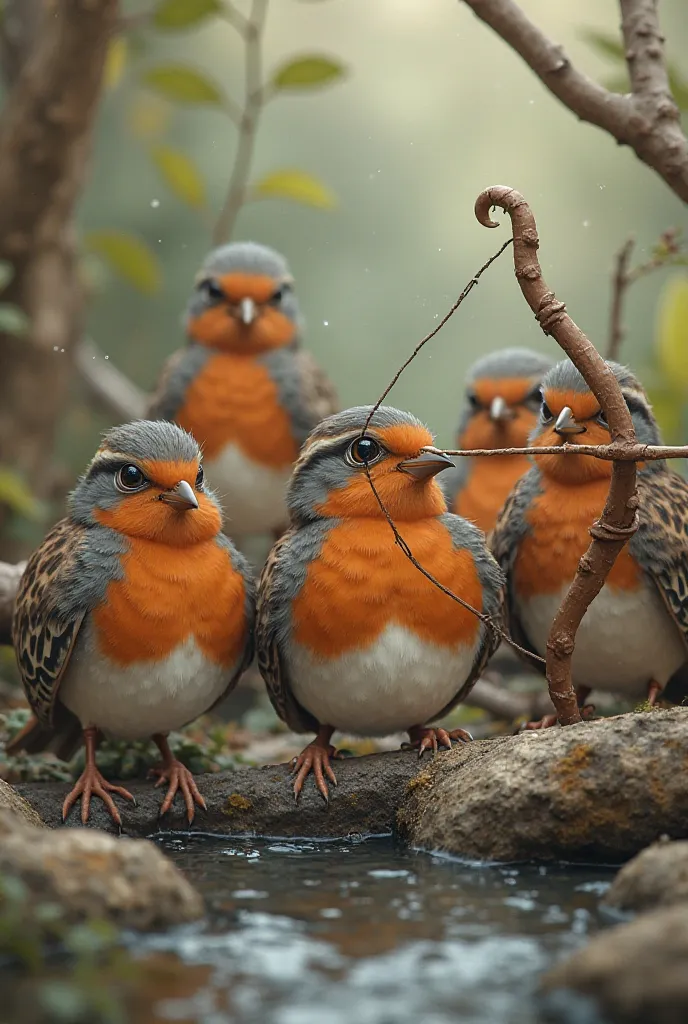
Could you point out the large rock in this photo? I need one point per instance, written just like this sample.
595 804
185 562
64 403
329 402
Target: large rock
10 800
596 791
128 882
635 973
657 877
258 800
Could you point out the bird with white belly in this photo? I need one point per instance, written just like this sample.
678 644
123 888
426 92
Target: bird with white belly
135 615
350 635
634 636
243 386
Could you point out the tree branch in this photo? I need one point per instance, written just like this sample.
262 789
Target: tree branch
619 285
618 521
647 120
108 385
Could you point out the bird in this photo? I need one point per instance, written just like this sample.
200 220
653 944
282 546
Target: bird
350 636
243 386
634 636
502 403
136 614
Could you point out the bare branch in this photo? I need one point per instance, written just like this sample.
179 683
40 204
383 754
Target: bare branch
619 518
248 122
108 385
647 121
619 286
609 452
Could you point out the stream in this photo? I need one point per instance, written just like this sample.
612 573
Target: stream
365 931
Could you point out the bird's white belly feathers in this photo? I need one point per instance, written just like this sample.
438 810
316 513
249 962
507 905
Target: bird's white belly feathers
396 682
253 497
134 701
626 639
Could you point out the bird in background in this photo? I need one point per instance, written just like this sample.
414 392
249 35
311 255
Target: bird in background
502 404
350 635
136 613
634 636
243 386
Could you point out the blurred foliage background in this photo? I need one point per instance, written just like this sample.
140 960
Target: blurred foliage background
381 123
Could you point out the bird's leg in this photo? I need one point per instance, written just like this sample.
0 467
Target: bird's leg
654 692
425 738
547 721
316 758
91 783
179 777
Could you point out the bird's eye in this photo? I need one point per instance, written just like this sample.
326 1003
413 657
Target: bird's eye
546 414
129 478
473 399
278 295
213 290
200 476
364 451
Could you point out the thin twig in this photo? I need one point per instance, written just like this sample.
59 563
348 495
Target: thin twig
253 101
620 284
469 287
485 619
609 452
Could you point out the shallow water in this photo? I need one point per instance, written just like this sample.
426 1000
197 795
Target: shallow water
302 932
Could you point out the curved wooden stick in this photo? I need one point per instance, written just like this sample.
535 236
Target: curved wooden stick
619 519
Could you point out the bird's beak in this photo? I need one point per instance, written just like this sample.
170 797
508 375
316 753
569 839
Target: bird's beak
566 423
247 311
181 497
425 465
499 410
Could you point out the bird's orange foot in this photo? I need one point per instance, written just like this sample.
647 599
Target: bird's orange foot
587 712
422 739
179 778
91 783
315 758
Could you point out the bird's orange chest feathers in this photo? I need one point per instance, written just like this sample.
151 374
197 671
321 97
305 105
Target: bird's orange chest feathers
361 582
169 595
560 519
234 400
489 482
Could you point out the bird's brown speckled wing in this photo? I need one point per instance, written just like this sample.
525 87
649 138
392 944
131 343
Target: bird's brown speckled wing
660 544
270 663
317 391
43 638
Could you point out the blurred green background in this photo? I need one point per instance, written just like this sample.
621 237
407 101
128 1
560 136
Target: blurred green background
431 108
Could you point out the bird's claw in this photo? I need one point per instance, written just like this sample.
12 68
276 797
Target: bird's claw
314 758
432 738
179 778
91 783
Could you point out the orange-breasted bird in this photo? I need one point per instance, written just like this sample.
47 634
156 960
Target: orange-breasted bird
502 404
136 613
243 386
350 635
634 636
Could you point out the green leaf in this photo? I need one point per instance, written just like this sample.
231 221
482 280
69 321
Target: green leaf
604 43
308 72
295 185
182 84
671 340
180 175
129 257
179 14
16 495
6 273
115 62
13 320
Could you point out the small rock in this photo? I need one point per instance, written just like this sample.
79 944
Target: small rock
10 800
600 790
657 877
128 882
635 973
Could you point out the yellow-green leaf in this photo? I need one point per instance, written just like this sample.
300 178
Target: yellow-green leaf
672 332
668 409
16 495
182 84
295 185
309 72
605 43
180 175
679 87
127 256
179 14
115 62
148 116
13 320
